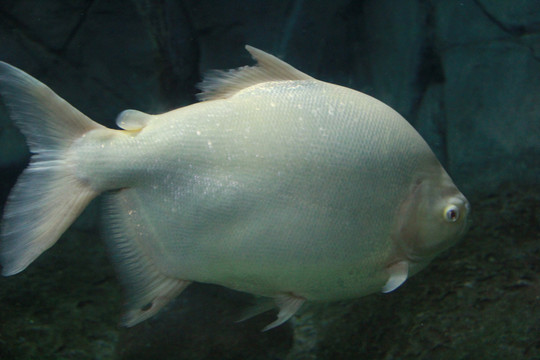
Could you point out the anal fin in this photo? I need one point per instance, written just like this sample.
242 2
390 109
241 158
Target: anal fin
157 294
148 289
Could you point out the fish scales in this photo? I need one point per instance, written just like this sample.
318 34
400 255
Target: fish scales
239 178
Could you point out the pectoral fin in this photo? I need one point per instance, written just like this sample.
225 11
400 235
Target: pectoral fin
257 309
398 274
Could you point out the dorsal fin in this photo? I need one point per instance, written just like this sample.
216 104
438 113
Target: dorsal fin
219 84
132 120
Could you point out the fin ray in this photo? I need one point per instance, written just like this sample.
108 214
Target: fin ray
398 275
219 84
48 196
256 309
148 290
288 305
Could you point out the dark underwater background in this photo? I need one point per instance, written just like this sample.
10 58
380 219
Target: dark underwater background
465 73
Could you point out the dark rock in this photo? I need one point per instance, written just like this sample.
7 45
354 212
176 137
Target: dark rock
463 22
395 38
517 17
492 102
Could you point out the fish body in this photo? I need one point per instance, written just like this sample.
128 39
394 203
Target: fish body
277 184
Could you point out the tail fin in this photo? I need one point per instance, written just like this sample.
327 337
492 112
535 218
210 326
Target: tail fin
47 197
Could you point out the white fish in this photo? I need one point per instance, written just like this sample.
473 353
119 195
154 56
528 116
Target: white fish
277 184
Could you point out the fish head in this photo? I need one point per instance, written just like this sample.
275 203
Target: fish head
433 218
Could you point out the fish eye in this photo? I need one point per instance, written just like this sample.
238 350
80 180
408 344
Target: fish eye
451 213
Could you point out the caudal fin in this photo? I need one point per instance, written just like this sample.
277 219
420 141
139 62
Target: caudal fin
47 197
